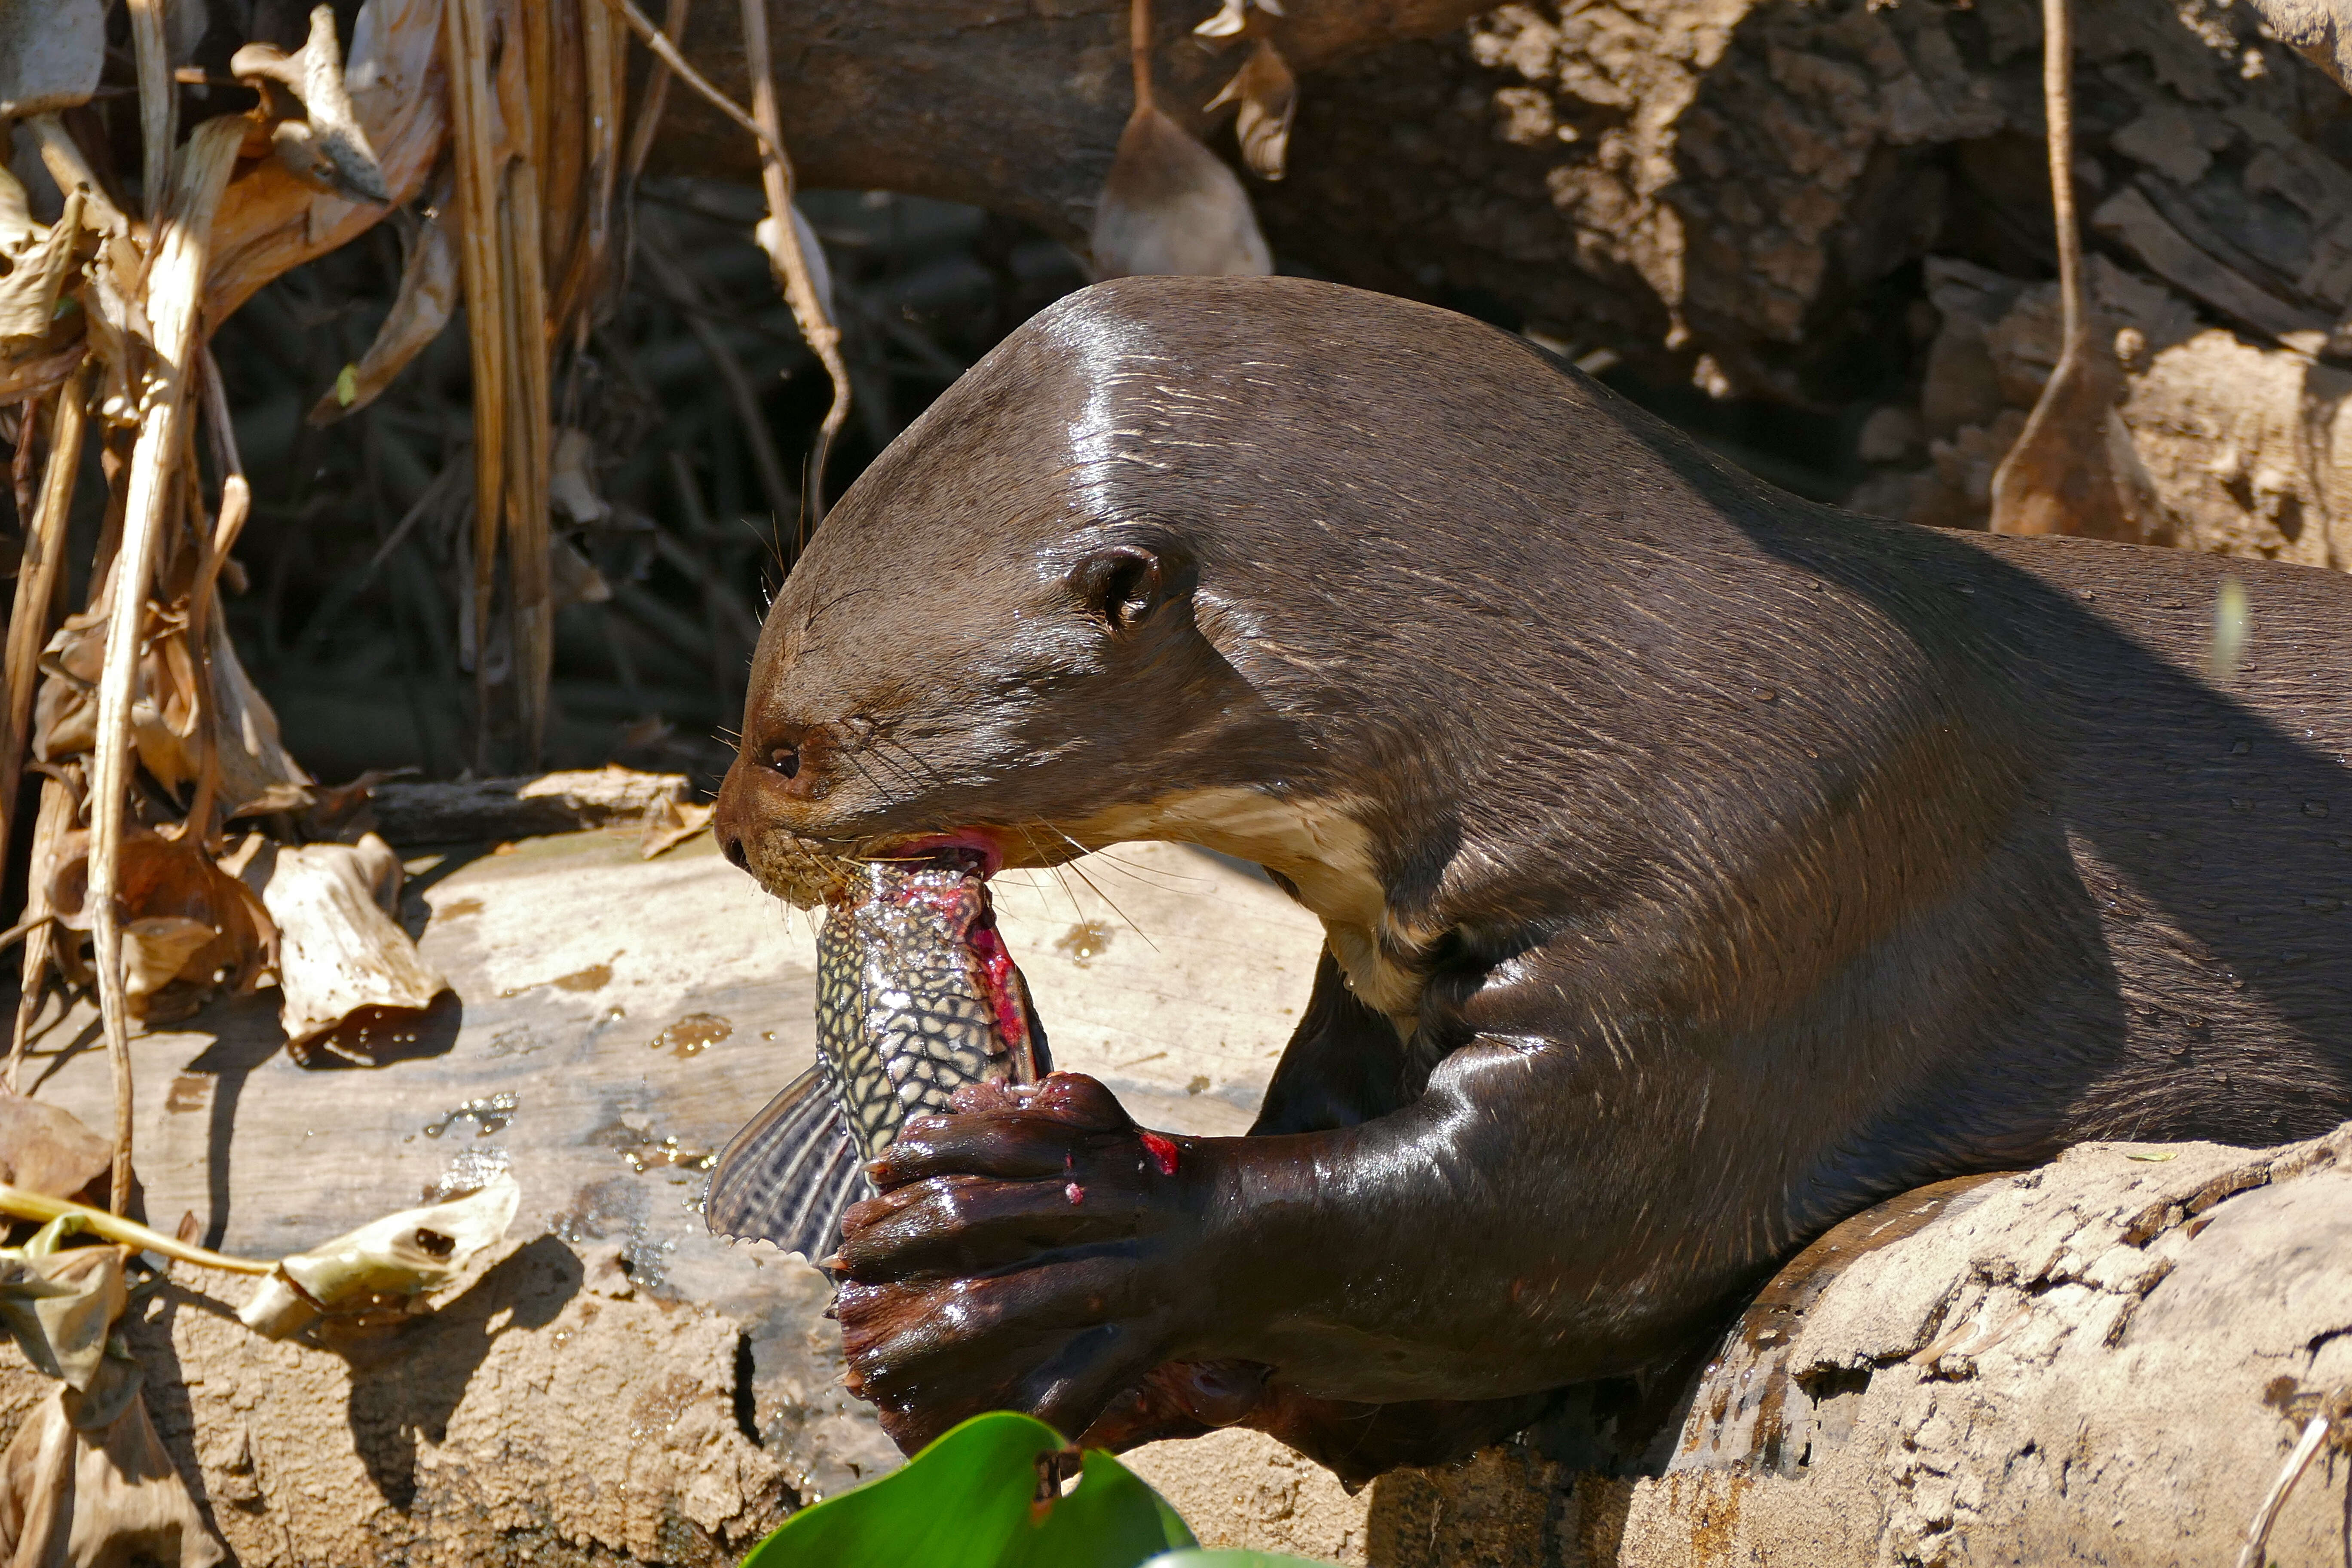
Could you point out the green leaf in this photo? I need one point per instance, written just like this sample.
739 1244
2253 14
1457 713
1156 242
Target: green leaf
1231 1557
969 1501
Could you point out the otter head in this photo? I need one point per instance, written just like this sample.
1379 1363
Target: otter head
995 639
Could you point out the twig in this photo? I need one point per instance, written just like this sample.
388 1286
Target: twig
2057 83
657 77
2298 1460
780 237
174 299
24 1204
666 53
524 322
36 587
63 157
465 36
159 106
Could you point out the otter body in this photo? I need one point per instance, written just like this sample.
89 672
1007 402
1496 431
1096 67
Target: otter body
1700 865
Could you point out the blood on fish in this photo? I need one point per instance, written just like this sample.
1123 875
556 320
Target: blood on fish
1075 1193
996 974
1162 1151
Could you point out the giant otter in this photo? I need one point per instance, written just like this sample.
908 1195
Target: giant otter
1700 864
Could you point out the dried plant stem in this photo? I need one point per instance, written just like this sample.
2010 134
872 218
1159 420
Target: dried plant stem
159 103
235 502
56 819
601 59
465 42
19 1204
666 53
62 156
174 299
2057 78
2258 1532
36 585
780 238
658 80
1138 51
528 459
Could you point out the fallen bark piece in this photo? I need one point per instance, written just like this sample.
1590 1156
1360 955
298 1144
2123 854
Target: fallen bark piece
475 810
389 1261
353 986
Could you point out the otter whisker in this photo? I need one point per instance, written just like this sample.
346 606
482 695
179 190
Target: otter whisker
1073 865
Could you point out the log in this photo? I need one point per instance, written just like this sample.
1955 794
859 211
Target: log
611 1383
1727 192
472 811
2104 1361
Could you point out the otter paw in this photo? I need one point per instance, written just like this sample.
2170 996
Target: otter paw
1037 1251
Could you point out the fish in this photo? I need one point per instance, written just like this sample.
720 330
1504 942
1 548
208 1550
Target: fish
916 998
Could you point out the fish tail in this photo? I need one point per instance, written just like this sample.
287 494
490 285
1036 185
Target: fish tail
790 1174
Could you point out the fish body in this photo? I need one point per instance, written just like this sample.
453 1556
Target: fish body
916 998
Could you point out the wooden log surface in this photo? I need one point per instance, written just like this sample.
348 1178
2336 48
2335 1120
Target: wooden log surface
612 1380
2100 1360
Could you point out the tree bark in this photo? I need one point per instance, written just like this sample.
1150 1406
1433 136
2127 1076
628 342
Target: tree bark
2104 1361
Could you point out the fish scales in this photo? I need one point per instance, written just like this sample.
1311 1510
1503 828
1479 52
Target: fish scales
916 998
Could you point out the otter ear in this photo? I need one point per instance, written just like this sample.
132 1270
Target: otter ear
1122 586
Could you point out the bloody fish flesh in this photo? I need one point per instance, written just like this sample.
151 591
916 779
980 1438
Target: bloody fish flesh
916 998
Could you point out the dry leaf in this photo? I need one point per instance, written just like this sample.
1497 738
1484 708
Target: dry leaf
1232 18
170 880
44 1148
258 774
86 1483
354 989
572 482
428 293
329 147
669 823
398 1258
1268 96
97 1498
59 1306
50 54
1172 207
37 278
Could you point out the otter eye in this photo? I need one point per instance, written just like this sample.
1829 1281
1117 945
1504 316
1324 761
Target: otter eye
785 760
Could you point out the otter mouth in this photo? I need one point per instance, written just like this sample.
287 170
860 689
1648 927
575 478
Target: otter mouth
968 851
814 873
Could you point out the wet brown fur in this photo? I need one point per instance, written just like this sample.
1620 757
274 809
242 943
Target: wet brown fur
1744 860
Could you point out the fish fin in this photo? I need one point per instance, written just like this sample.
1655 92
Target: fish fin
790 1174
1031 1060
